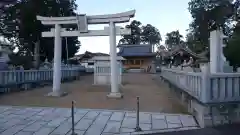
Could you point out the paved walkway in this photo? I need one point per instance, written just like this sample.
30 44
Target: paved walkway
154 96
57 121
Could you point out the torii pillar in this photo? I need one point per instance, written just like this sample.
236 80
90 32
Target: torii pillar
82 22
113 62
57 73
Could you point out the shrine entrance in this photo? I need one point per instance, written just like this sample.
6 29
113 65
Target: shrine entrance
82 21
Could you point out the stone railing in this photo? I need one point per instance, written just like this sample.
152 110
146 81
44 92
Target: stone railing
224 87
213 99
26 79
207 88
188 82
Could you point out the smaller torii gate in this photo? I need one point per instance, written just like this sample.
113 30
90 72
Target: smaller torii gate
82 21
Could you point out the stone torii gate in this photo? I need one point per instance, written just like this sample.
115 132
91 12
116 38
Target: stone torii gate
82 21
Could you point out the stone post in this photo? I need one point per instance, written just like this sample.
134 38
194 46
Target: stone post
215 52
113 62
57 63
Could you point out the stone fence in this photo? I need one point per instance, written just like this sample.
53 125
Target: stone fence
26 79
102 74
213 98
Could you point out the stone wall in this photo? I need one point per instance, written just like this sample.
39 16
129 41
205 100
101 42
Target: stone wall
218 114
208 115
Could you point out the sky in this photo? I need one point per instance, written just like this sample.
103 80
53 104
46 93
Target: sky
165 15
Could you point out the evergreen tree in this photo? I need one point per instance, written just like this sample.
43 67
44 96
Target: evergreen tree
20 26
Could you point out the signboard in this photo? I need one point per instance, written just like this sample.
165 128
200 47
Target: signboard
82 23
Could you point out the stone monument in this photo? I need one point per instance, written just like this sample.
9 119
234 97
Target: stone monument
218 61
45 65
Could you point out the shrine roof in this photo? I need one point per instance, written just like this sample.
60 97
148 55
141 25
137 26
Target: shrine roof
105 58
179 49
88 55
135 50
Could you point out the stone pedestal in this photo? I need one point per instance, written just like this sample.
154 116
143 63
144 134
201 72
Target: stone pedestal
227 68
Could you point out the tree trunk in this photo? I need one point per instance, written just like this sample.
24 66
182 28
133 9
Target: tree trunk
36 54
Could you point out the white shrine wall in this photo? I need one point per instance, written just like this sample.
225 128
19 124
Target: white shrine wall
102 71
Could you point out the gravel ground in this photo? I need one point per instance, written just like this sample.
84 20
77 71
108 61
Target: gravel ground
154 95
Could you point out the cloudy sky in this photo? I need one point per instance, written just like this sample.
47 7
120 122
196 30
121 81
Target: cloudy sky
166 15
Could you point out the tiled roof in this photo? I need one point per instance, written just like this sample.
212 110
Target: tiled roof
201 57
105 58
88 55
135 50
178 49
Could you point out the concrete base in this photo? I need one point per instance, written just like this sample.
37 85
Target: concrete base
115 95
208 115
57 94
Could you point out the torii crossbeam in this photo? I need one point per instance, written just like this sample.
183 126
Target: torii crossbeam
82 21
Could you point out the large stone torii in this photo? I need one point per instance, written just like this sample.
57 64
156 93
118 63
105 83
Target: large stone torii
82 21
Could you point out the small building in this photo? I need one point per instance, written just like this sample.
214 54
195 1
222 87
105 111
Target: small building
85 59
137 56
102 70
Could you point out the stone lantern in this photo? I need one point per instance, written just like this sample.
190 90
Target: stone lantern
4 55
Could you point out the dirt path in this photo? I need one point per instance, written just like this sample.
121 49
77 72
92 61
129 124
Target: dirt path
153 97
